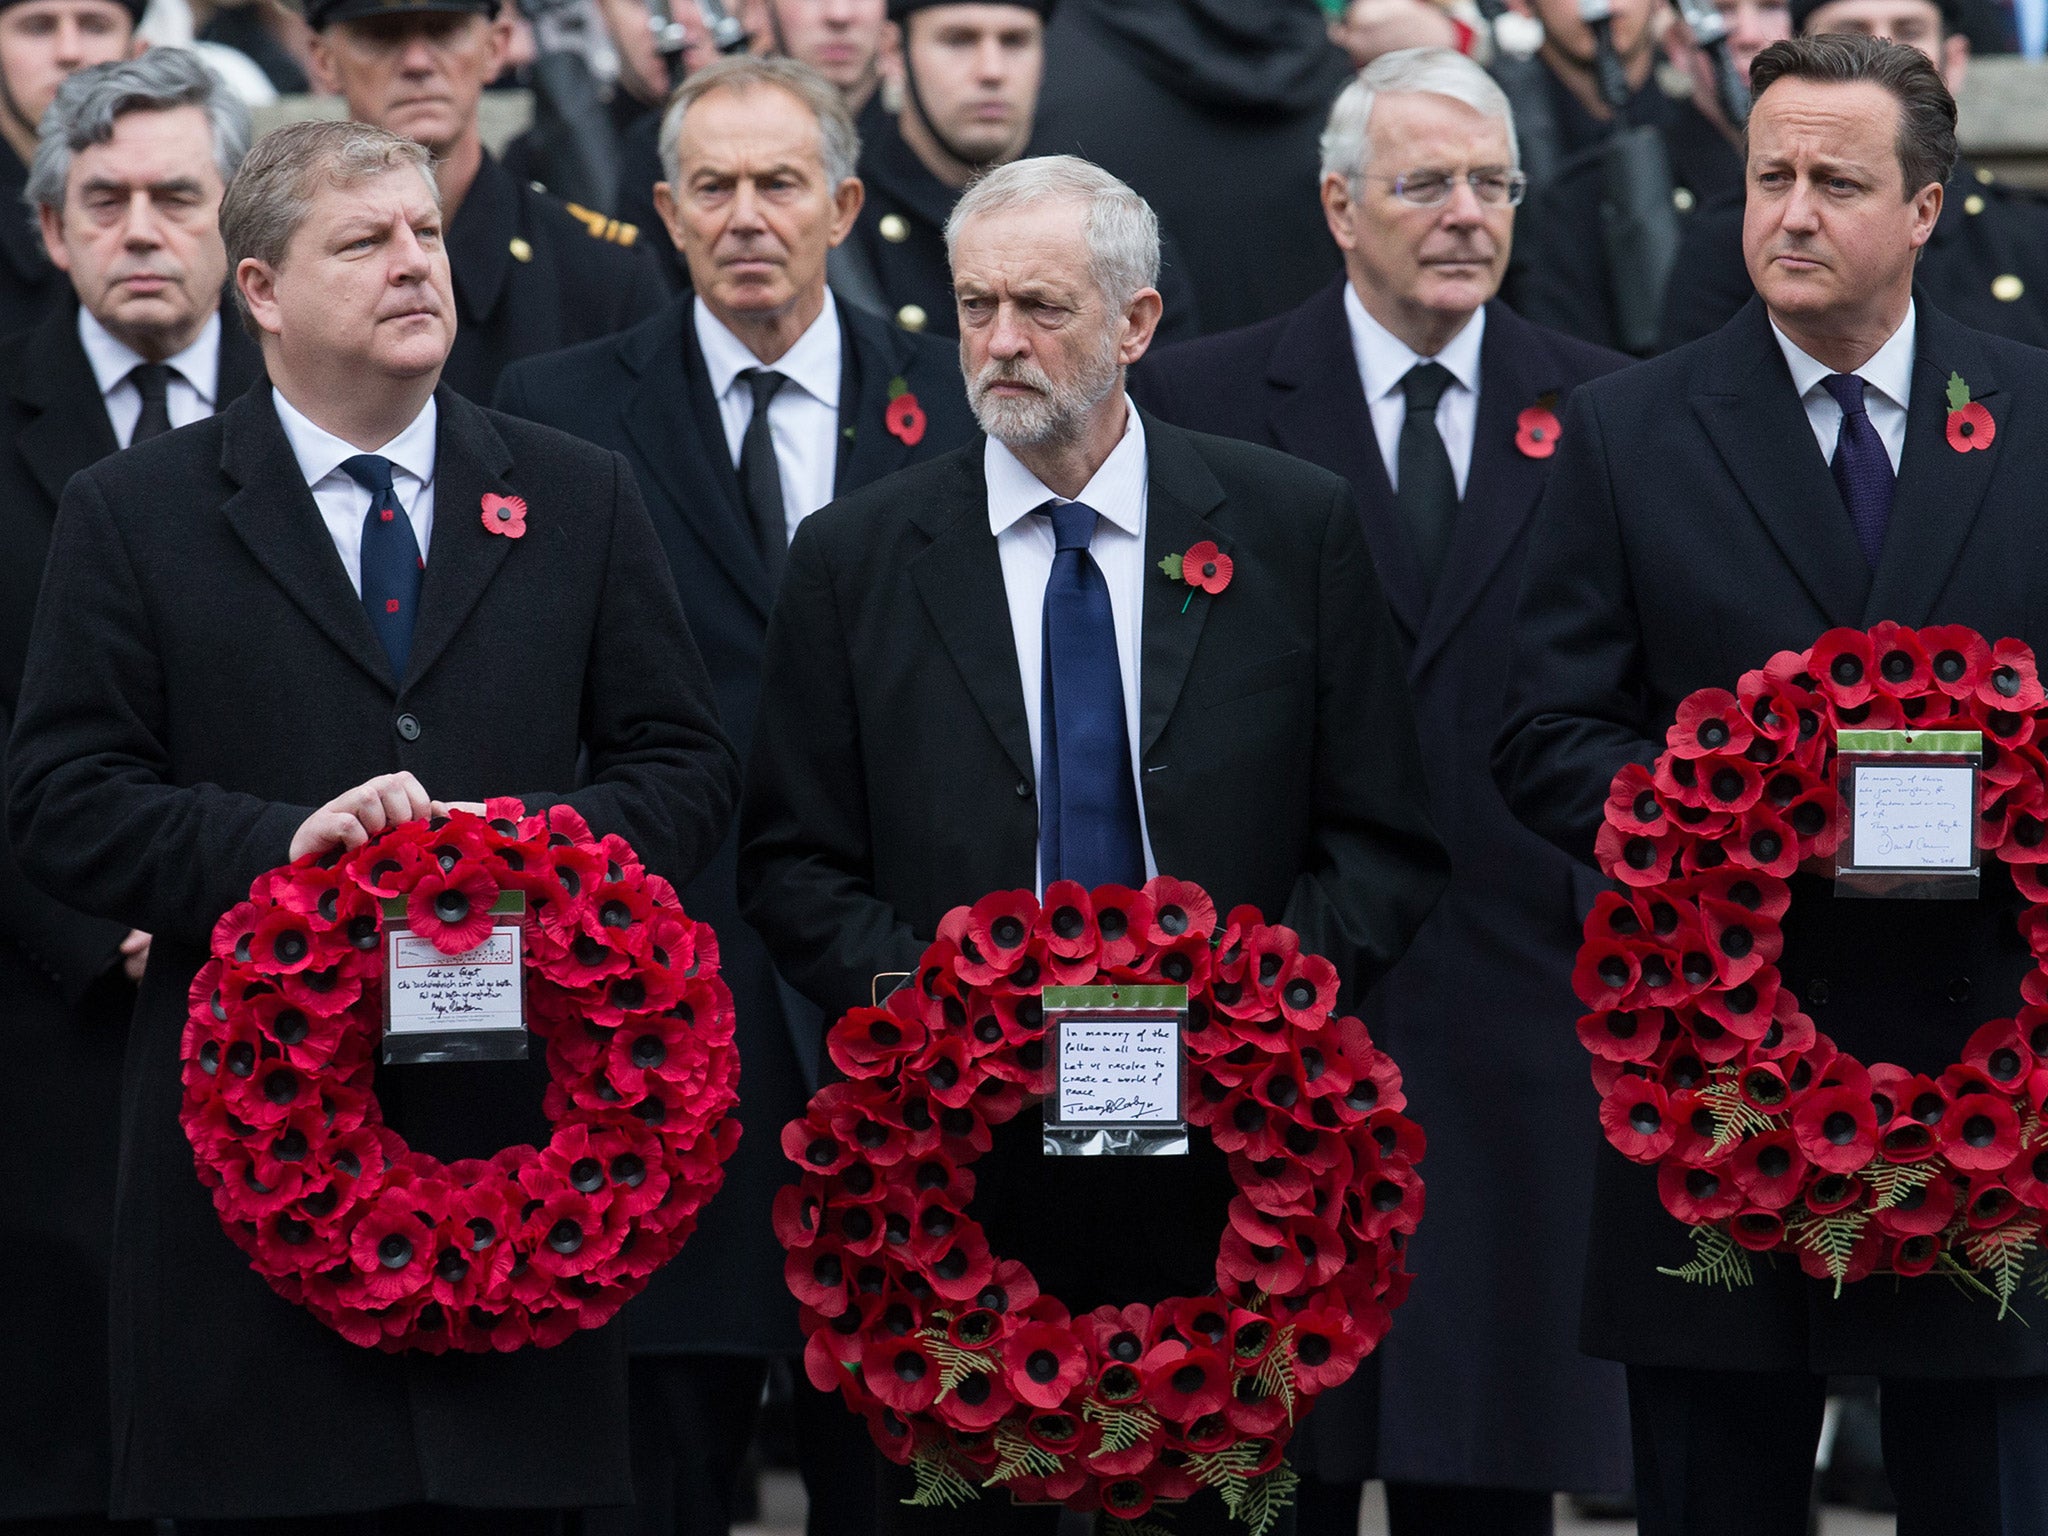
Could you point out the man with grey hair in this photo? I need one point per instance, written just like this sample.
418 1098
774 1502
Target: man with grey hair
1438 403
742 408
980 678
264 638
127 184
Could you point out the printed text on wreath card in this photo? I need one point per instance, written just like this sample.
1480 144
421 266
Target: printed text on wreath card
1914 818
477 989
1119 1071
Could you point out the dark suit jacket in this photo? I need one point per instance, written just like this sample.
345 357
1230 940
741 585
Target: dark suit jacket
891 779
1690 531
64 999
1483 1382
645 394
201 675
29 286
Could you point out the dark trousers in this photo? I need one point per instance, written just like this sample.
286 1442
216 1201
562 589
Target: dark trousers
76 1525
1730 1453
693 1420
413 1520
1428 1509
997 1515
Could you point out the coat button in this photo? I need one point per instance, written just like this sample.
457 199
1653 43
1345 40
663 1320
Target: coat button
1023 790
894 229
1817 990
408 727
2007 288
912 317
1959 990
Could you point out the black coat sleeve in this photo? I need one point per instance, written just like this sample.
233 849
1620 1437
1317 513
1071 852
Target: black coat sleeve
96 819
1577 701
806 870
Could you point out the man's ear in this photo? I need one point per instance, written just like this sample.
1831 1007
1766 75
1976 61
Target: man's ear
320 65
1141 323
1337 205
257 282
51 221
847 202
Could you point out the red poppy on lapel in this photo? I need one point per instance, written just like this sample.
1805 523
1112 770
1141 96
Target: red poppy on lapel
1204 568
1969 423
1536 429
505 515
904 418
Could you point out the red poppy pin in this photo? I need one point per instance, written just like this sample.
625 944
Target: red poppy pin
505 515
1536 429
905 417
1969 423
1204 567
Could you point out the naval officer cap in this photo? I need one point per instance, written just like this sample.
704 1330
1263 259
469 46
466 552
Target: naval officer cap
320 14
898 9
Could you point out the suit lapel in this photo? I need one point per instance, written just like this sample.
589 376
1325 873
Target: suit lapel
1181 492
70 431
1939 490
878 354
1757 424
959 577
272 512
470 461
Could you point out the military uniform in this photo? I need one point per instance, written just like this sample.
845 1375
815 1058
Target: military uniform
535 274
29 285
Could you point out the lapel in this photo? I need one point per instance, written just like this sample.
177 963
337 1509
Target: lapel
272 512
959 577
1181 493
1939 490
470 461
1502 484
1320 414
480 241
70 430
1744 400
672 420
875 354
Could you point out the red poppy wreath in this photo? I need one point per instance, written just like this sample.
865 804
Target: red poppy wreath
963 1369
1766 1137
390 1247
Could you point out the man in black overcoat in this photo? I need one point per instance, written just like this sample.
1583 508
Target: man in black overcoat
67 981
674 395
236 630
1481 1404
1692 529
1267 743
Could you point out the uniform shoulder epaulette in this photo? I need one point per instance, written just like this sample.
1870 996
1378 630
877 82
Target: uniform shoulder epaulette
617 231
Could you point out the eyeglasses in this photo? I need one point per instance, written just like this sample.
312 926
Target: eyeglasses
1432 189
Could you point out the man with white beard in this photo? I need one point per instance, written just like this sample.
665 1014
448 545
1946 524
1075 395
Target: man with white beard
979 678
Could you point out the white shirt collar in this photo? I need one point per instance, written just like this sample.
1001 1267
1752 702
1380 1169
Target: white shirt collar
320 453
1116 490
1889 370
812 364
1384 359
113 359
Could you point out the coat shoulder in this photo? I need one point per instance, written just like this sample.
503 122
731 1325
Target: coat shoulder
1230 359
1573 361
569 384
584 238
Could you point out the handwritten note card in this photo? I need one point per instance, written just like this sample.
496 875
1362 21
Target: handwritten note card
478 989
1116 1071
1910 817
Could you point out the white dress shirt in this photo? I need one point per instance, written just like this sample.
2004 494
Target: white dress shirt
1383 362
342 502
1025 545
1887 391
194 384
803 418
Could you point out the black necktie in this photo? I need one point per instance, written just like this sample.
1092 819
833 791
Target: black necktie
152 382
760 479
1427 495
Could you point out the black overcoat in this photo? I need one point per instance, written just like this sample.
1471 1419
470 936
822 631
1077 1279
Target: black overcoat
646 395
64 1002
30 287
891 779
1690 531
1483 1382
201 676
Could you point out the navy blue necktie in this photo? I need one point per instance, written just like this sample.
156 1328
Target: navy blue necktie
391 560
1087 800
1863 470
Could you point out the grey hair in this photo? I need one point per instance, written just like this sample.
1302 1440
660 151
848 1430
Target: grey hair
159 80
1121 229
1434 71
840 143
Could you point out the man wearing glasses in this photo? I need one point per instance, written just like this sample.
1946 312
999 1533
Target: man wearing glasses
1439 404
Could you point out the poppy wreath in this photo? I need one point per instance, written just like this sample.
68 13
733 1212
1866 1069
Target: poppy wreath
964 1370
393 1248
1767 1137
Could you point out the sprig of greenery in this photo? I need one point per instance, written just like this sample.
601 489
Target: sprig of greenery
940 1484
1717 1260
1122 1428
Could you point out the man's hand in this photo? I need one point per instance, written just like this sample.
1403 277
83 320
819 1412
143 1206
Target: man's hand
357 815
134 954
1369 28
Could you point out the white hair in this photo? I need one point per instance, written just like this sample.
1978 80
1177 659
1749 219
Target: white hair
1435 71
1121 229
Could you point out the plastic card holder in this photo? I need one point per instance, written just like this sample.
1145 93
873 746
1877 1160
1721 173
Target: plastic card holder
1907 809
1119 1056
466 1007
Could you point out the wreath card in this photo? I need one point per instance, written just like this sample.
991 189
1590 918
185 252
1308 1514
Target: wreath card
463 1007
